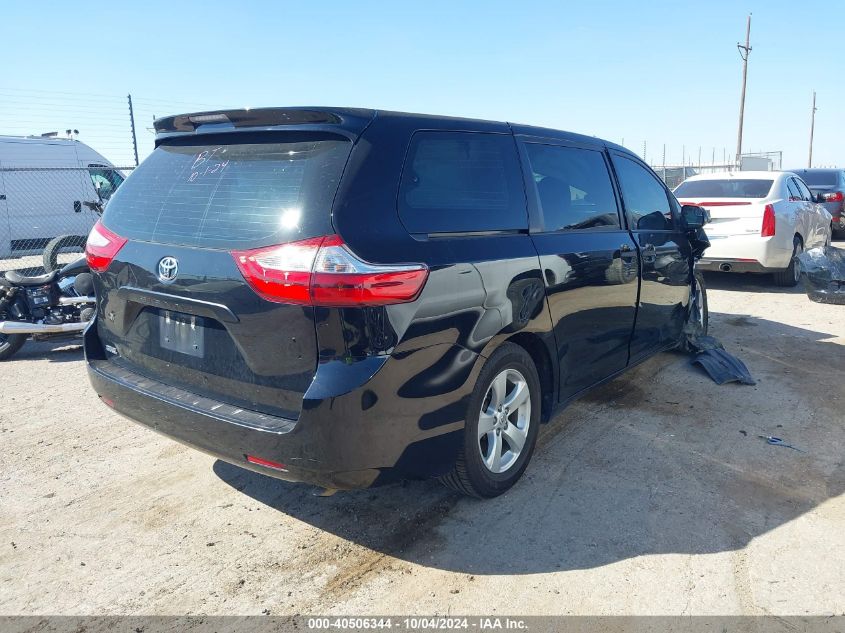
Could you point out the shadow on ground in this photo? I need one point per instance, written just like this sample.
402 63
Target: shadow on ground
658 461
57 351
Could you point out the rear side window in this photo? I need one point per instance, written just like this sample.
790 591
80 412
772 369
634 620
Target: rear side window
573 188
646 200
227 194
455 182
803 190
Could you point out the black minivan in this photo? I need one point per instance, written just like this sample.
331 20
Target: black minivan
345 296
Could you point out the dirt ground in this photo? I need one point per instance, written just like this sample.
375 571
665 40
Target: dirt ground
653 495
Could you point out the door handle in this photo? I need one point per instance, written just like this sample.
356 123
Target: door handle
626 253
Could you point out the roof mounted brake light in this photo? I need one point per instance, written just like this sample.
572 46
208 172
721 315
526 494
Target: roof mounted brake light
199 119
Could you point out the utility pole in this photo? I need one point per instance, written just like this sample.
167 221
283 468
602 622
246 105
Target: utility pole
743 53
812 129
132 123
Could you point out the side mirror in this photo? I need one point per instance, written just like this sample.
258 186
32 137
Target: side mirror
694 217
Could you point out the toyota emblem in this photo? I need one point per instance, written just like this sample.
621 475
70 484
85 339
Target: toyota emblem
168 268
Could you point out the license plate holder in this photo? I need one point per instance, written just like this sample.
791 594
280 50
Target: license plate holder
182 333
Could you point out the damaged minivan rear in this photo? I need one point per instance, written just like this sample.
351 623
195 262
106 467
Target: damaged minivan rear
344 297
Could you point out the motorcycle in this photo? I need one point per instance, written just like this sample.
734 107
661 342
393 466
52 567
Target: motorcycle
57 304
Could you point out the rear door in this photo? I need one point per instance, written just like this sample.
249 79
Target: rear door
174 306
816 218
653 215
588 258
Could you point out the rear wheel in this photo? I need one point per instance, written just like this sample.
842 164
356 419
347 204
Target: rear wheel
502 424
10 343
61 244
790 276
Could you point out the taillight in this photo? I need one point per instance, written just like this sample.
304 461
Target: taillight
768 228
322 271
101 247
833 196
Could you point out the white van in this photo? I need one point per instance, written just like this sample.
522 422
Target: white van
45 183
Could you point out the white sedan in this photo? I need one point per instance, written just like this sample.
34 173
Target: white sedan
759 221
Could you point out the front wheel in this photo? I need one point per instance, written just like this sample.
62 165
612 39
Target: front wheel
503 420
699 310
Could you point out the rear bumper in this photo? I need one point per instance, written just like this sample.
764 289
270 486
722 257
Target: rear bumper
732 266
746 254
353 439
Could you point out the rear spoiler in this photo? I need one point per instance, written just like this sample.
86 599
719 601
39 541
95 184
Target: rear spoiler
350 119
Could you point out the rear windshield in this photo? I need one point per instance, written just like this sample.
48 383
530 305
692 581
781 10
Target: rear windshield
231 195
729 188
822 178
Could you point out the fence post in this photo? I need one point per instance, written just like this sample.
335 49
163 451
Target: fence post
132 123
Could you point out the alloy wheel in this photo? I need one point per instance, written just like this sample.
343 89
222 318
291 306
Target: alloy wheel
504 420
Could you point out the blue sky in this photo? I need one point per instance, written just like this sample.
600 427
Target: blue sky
659 72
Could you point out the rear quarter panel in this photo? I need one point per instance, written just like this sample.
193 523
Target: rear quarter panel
481 289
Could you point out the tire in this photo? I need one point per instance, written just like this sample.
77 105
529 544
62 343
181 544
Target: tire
789 277
50 258
705 311
473 475
10 344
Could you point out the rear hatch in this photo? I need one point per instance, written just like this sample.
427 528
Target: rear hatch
173 304
831 197
736 205
825 183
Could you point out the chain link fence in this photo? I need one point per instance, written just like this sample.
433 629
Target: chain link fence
47 212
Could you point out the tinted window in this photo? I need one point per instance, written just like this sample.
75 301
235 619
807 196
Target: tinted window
727 188
461 182
231 195
819 177
646 200
573 187
794 194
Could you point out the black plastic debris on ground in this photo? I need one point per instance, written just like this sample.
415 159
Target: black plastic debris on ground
722 366
708 352
823 274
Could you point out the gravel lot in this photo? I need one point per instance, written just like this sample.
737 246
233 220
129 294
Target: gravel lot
652 495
